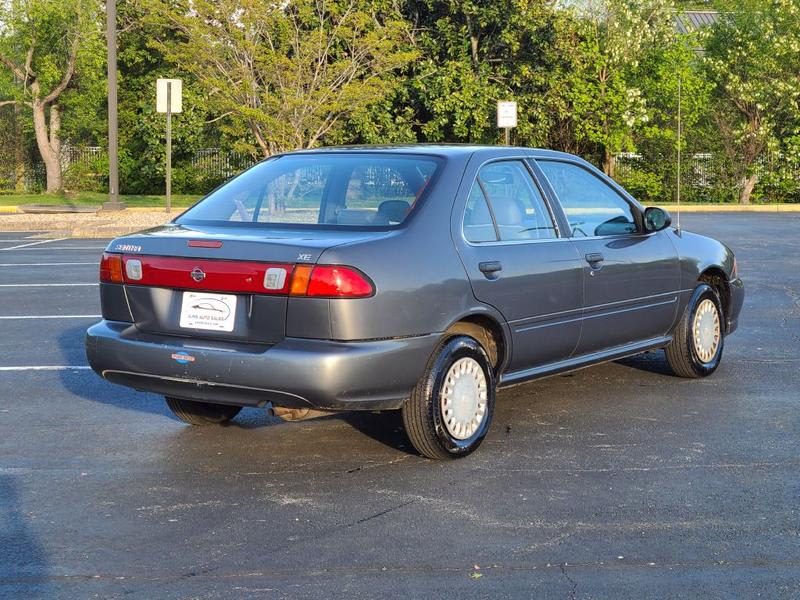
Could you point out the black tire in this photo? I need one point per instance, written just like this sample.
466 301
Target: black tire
681 353
422 413
201 413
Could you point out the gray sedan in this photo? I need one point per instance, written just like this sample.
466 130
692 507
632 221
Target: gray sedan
418 278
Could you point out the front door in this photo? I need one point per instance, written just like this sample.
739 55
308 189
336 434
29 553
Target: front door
631 278
518 262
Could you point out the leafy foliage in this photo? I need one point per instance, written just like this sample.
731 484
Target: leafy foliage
592 77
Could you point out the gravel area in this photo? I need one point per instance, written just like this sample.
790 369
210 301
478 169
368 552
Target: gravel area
92 225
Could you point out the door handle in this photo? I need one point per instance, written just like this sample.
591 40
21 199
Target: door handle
490 267
594 258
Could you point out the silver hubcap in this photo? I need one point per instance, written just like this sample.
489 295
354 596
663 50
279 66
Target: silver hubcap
706 330
463 398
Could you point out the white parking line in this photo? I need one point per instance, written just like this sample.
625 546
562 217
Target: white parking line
56 264
12 317
33 244
48 368
4 285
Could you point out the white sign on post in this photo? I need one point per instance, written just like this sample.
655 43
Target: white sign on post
506 114
175 93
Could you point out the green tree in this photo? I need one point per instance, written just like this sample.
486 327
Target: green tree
292 72
752 57
661 69
601 43
141 130
47 48
473 54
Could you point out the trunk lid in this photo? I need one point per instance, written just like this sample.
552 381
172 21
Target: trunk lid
213 282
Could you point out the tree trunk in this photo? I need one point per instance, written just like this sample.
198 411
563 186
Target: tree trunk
748 183
50 156
609 163
473 44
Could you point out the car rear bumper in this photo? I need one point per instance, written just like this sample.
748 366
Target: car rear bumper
295 373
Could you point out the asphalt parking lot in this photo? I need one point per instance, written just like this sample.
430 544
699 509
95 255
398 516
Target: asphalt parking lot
618 481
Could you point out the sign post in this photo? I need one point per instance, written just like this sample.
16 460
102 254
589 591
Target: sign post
169 99
507 117
113 202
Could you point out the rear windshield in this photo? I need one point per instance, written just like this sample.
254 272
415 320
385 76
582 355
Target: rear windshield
355 190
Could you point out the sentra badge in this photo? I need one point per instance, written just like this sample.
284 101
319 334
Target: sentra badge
128 248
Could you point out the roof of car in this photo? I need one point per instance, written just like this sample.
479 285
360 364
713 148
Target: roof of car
440 149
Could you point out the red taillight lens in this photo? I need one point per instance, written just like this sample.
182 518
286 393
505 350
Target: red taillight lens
333 281
111 268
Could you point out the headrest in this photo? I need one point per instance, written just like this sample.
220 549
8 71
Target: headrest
506 210
394 210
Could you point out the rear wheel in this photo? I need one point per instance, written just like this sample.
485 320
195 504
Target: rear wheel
201 413
696 349
450 409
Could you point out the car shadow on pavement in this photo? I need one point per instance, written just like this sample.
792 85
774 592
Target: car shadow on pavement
651 362
22 557
385 427
90 386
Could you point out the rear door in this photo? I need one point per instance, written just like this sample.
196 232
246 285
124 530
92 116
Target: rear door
631 278
518 262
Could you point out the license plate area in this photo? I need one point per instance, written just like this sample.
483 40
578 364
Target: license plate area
210 312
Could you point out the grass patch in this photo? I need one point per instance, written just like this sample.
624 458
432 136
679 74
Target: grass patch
92 198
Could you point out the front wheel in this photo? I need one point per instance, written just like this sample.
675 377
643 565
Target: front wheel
696 348
450 409
201 413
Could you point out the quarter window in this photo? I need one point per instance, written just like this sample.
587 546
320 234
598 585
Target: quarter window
593 208
505 204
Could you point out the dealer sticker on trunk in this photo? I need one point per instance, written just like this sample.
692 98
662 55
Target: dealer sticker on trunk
215 312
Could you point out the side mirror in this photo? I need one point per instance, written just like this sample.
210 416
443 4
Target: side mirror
656 219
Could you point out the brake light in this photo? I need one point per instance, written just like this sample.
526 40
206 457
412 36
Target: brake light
111 268
334 281
204 244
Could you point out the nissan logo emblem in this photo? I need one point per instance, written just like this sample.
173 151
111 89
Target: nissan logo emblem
198 274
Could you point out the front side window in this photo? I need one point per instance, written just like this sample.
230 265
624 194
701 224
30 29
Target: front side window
334 190
593 208
505 204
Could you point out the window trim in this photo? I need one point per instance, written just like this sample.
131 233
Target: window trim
636 210
542 193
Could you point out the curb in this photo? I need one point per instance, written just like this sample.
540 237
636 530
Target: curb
762 208
176 210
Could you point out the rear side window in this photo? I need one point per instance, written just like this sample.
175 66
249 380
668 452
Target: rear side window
356 190
505 204
593 208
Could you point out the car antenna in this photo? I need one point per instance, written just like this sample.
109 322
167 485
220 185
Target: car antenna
678 197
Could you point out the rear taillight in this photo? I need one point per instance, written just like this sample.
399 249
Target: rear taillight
217 275
339 282
111 268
